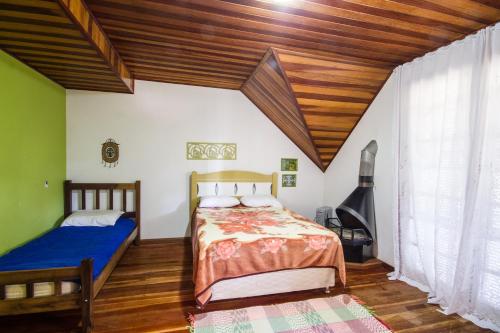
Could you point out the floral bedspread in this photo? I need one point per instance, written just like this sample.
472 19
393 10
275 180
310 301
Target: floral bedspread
240 241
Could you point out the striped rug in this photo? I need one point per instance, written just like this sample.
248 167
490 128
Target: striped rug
339 314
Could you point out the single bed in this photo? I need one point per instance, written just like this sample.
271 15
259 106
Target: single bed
244 252
67 267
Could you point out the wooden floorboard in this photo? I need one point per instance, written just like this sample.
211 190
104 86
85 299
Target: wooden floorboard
151 291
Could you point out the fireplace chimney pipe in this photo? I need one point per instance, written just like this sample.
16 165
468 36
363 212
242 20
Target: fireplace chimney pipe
367 164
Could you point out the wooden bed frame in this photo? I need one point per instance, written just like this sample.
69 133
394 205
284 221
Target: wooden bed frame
89 287
228 176
232 176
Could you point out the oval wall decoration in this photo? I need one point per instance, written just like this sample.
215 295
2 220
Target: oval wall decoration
110 152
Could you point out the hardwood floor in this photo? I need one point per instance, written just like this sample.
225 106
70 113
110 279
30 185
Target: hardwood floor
151 291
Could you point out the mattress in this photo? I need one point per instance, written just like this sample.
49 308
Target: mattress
274 283
65 247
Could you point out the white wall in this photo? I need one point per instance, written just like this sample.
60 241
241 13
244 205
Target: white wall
342 175
152 127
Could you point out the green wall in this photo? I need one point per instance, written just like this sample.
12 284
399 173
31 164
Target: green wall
32 150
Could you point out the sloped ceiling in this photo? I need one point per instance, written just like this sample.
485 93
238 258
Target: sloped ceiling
62 40
315 101
268 89
338 52
332 94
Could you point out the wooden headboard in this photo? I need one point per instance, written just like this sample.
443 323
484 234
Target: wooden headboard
109 188
230 176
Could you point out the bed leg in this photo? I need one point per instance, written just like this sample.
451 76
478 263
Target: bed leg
327 290
87 295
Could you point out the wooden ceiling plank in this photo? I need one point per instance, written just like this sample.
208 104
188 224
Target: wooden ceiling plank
253 14
424 11
328 150
347 74
167 59
324 135
470 10
489 3
32 13
193 65
40 37
387 14
69 68
339 11
70 58
193 81
331 14
325 78
145 68
11 25
332 103
166 52
294 65
326 91
486 9
40 45
327 97
250 45
233 27
188 43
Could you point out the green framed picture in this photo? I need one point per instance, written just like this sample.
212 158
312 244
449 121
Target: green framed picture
288 180
289 164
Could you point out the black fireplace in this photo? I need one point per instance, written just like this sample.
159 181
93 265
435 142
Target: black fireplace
355 221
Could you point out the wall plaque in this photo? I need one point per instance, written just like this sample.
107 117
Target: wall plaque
110 152
210 151
289 164
288 180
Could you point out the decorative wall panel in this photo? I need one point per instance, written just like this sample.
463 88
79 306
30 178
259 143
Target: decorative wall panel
210 151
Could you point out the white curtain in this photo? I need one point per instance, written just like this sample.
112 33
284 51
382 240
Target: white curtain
447 203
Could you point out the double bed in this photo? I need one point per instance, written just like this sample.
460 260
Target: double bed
252 251
67 267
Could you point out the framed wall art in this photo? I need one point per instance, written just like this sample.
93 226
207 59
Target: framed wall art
210 151
288 180
289 164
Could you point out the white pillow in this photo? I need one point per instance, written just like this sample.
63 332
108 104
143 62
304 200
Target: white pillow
260 201
218 201
92 218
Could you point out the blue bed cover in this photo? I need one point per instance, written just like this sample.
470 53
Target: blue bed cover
68 246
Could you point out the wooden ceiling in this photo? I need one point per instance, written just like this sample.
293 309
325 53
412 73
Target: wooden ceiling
62 40
219 43
269 90
335 54
315 101
332 94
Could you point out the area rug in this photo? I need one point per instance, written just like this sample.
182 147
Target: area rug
339 314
